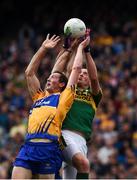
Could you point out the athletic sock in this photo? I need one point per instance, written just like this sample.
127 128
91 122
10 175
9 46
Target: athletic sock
82 176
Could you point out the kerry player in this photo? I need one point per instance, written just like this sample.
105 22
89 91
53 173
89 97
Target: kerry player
77 126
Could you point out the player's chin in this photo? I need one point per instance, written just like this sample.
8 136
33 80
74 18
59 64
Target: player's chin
80 80
79 83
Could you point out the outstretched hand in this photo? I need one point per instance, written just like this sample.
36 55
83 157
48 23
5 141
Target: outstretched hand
85 42
50 43
87 49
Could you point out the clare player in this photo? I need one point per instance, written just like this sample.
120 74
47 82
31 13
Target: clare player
40 155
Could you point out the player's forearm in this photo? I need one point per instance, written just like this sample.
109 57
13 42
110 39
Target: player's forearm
60 53
70 63
92 70
78 58
76 68
62 61
35 61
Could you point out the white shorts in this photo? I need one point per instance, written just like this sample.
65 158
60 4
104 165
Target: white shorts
75 144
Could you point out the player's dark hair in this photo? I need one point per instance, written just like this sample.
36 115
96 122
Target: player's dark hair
62 79
84 66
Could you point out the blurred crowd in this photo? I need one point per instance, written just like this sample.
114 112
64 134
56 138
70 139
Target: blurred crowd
113 145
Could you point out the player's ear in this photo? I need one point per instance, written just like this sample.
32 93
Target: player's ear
61 84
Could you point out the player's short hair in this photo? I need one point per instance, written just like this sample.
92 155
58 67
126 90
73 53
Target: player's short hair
62 79
84 66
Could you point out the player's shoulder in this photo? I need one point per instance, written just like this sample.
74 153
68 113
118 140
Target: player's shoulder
39 94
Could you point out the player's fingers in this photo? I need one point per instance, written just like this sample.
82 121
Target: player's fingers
53 37
48 36
87 38
87 32
88 29
56 38
86 41
56 42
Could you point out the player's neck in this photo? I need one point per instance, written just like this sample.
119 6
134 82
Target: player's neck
83 87
52 91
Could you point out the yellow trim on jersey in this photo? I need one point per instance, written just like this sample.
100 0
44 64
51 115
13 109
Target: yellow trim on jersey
85 96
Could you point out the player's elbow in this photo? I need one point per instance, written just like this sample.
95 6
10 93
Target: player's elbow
28 73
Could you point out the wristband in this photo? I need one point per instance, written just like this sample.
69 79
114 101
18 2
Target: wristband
67 43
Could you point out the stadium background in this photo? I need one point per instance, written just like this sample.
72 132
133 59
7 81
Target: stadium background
23 26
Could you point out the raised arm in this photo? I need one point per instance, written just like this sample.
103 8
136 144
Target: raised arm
65 56
92 71
30 73
77 65
61 62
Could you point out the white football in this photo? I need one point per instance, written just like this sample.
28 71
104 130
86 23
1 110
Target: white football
75 27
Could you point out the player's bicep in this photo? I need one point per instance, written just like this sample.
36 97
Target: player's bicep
33 84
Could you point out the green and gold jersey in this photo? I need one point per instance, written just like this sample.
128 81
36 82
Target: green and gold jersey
82 112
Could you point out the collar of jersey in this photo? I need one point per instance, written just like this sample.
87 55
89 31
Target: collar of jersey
46 93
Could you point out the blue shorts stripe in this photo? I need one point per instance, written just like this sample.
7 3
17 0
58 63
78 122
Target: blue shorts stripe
41 136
